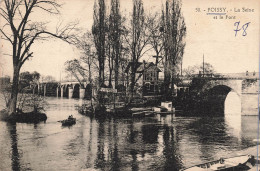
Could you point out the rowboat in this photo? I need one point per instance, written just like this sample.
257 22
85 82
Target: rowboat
68 122
239 163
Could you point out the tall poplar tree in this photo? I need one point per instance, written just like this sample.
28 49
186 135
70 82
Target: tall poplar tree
137 39
99 30
174 32
114 37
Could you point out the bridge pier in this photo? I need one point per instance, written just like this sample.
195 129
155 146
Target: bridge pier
61 91
82 93
57 91
39 89
33 90
44 90
70 93
249 104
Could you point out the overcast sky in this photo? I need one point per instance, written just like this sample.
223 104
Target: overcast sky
214 38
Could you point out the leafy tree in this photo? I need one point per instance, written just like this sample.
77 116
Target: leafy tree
27 79
74 68
36 103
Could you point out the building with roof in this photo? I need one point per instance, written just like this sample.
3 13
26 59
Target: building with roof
147 78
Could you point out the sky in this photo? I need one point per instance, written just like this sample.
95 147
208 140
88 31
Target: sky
213 38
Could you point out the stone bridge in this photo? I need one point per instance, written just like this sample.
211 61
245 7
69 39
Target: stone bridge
215 90
69 89
246 87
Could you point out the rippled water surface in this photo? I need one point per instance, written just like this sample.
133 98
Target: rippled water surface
166 143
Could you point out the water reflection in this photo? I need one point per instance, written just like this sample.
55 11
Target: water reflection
165 143
15 153
232 104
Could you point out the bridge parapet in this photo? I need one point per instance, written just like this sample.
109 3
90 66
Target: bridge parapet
234 85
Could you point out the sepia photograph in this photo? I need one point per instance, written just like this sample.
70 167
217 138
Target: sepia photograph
93 85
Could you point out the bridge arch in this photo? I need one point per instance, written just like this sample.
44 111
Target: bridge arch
59 90
216 93
36 89
51 89
234 85
88 92
65 90
76 91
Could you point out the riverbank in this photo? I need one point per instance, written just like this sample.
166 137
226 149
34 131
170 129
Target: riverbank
28 117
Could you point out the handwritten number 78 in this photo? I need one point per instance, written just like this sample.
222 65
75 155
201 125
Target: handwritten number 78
244 27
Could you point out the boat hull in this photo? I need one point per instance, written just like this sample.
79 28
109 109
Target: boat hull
68 122
239 163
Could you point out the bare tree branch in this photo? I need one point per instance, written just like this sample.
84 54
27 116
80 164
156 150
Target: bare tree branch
22 33
7 38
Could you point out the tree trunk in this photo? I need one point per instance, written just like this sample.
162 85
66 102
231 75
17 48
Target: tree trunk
132 84
167 79
157 58
110 64
116 74
14 93
117 66
110 78
101 76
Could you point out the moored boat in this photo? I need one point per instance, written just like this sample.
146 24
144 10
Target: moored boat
165 109
141 112
138 114
239 163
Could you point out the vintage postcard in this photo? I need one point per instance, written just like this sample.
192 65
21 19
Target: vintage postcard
129 85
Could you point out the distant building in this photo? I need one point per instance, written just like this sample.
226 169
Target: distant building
147 77
4 82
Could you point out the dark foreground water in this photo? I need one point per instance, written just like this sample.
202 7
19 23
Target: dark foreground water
166 143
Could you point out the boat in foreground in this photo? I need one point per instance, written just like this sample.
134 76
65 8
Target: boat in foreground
68 122
239 163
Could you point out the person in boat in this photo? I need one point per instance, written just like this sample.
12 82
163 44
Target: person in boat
221 160
70 117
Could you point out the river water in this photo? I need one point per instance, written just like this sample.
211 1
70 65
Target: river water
154 143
